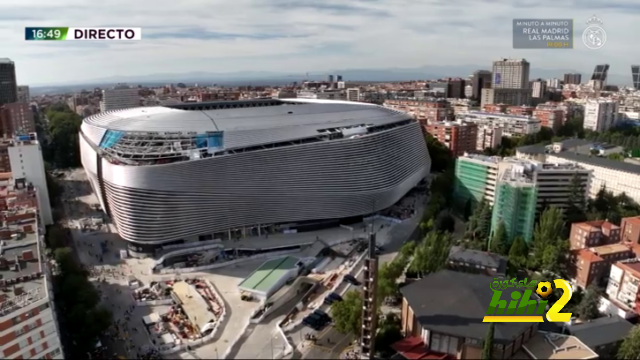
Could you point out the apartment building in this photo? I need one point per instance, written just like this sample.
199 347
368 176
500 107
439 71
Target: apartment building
23 155
119 98
630 230
600 114
426 111
24 95
28 326
521 110
511 74
551 118
15 119
511 125
488 137
616 176
538 88
623 286
506 96
458 137
592 265
322 95
353 94
593 233
495 108
518 190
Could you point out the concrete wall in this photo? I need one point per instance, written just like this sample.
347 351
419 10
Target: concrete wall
227 263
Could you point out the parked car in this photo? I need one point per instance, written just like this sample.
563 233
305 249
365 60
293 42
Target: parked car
323 315
351 280
331 298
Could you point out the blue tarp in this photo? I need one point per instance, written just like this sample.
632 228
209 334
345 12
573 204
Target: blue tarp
215 140
201 141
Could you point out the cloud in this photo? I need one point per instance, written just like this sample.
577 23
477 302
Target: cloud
298 36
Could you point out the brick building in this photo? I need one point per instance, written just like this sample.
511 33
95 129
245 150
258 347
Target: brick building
520 110
550 118
592 265
593 233
15 119
630 230
426 111
458 137
624 283
495 108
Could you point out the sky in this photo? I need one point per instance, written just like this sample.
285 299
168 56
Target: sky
299 36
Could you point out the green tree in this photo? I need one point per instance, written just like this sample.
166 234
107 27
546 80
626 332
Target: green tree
577 200
479 226
347 314
587 309
389 332
82 320
63 129
487 348
408 249
431 254
518 253
545 236
630 347
499 242
441 157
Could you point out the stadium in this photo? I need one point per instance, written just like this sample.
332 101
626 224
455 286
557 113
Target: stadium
197 171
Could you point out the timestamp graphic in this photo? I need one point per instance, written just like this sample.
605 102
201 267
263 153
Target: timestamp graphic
558 45
90 33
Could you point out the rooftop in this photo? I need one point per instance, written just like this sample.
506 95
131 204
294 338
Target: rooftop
601 331
557 346
193 304
413 348
484 258
596 225
455 303
599 161
267 275
610 249
500 116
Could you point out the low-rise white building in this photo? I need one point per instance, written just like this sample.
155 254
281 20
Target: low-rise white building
600 114
512 125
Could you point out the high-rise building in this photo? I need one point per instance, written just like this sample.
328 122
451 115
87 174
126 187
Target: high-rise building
27 310
635 76
538 88
600 73
600 114
338 78
16 119
518 97
510 74
553 83
25 159
518 189
23 94
8 84
573 79
481 80
330 78
119 98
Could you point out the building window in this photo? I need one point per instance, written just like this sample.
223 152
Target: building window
19 331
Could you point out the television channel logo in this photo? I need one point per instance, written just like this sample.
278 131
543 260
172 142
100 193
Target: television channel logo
521 307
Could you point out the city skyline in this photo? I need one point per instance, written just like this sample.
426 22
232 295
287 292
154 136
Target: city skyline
297 37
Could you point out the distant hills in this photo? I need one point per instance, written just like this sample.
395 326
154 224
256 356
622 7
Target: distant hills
277 78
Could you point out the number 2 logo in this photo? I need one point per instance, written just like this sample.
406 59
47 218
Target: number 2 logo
554 314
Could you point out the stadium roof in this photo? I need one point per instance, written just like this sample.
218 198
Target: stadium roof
283 114
245 123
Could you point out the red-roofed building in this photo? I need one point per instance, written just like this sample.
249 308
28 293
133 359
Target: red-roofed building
630 229
593 233
413 348
592 265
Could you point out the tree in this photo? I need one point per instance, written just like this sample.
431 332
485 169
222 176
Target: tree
82 320
499 242
487 348
432 254
546 243
63 147
389 332
577 200
479 226
518 253
630 347
587 309
445 222
347 314
468 210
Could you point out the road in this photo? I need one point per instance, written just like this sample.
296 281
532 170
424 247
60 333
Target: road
330 343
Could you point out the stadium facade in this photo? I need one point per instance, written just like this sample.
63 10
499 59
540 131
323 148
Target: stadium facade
195 171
